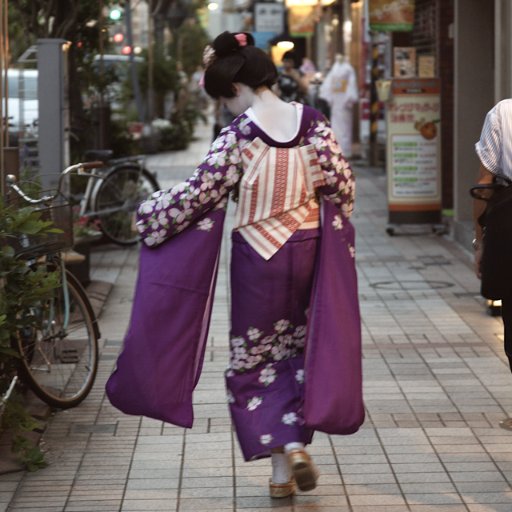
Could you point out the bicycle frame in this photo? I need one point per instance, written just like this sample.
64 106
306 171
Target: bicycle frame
79 168
58 343
5 397
90 191
46 333
93 186
65 291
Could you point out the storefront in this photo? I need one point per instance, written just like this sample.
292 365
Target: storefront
467 46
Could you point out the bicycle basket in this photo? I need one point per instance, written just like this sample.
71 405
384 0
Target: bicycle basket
33 246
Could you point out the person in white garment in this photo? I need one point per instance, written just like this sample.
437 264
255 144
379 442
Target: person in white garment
494 149
339 89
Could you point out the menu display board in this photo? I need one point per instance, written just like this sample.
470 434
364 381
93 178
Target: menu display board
426 66
414 151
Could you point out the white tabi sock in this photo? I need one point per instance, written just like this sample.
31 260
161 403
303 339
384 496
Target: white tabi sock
293 446
281 473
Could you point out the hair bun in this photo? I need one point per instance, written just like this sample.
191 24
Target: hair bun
229 42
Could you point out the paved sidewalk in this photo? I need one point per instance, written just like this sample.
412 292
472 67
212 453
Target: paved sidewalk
436 387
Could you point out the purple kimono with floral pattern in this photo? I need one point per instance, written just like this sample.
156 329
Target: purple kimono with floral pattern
295 339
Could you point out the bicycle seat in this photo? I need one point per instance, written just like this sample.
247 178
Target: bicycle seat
98 154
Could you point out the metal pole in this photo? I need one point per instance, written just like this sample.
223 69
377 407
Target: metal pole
7 59
1 80
151 58
134 77
4 127
102 72
374 104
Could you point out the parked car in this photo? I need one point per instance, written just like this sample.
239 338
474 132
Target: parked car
118 68
22 103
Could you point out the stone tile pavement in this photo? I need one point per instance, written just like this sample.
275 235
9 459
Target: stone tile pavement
436 388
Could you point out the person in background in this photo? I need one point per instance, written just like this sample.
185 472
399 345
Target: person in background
307 68
291 84
339 90
197 90
494 149
183 93
222 117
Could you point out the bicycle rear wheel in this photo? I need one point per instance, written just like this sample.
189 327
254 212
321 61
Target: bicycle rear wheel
59 357
118 198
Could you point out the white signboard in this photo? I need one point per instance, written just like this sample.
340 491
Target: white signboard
269 17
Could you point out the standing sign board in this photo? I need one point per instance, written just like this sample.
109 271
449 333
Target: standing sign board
414 152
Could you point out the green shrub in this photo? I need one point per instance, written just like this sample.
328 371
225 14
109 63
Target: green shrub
21 288
175 137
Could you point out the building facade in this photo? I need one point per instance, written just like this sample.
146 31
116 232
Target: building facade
471 42
471 45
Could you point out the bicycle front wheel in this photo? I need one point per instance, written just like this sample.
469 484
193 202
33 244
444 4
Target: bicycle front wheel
117 200
59 352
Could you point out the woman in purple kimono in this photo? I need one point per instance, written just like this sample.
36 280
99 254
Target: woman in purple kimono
278 161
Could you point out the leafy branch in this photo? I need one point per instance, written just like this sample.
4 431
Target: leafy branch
22 287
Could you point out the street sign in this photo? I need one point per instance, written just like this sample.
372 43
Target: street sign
269 17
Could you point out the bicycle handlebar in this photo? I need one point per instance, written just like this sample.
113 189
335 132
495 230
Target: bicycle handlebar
92 165
11 181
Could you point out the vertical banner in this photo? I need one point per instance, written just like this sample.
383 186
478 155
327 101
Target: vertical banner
391 15
414 152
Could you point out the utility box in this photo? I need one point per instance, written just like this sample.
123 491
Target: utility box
53 88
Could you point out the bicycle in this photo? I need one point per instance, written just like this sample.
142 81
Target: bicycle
59 351
115 194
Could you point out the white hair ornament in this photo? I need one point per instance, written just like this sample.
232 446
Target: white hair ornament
208 56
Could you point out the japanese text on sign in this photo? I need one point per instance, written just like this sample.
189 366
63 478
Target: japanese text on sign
414 166
413 147
269 17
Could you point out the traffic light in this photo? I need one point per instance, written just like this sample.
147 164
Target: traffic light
115 13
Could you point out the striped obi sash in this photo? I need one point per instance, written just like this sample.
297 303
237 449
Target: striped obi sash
277 194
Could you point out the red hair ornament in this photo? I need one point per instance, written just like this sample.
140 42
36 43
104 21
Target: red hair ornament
242 39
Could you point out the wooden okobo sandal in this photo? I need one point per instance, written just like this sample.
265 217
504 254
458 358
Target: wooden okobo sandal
281 490
303 469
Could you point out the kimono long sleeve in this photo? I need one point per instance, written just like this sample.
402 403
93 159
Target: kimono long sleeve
167 212
340 185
